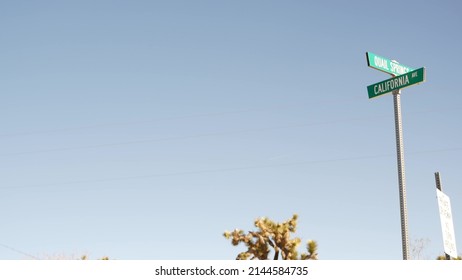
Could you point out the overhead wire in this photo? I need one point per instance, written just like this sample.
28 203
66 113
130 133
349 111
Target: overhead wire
210 134
174 138
261 129
211 114
102 125
18 251
230 169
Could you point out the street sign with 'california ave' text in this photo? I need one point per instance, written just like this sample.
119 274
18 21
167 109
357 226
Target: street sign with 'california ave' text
396 83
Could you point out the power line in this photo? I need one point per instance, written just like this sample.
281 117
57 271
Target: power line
187 136
274 108
212 114
51 131
237 168
253 130
19 251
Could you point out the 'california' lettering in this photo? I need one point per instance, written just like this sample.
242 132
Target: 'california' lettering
391 84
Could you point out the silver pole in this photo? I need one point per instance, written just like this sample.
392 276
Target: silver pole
401 177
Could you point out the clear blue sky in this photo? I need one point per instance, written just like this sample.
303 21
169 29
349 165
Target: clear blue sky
145 129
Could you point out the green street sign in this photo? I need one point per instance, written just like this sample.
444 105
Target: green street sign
386 65
396 83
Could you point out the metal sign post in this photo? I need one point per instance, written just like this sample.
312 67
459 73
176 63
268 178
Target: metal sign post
401 176
402 76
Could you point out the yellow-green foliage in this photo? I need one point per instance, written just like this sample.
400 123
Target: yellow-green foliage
272 237
442 258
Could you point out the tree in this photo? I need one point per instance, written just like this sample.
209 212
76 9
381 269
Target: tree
443 257
418 247
272 237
